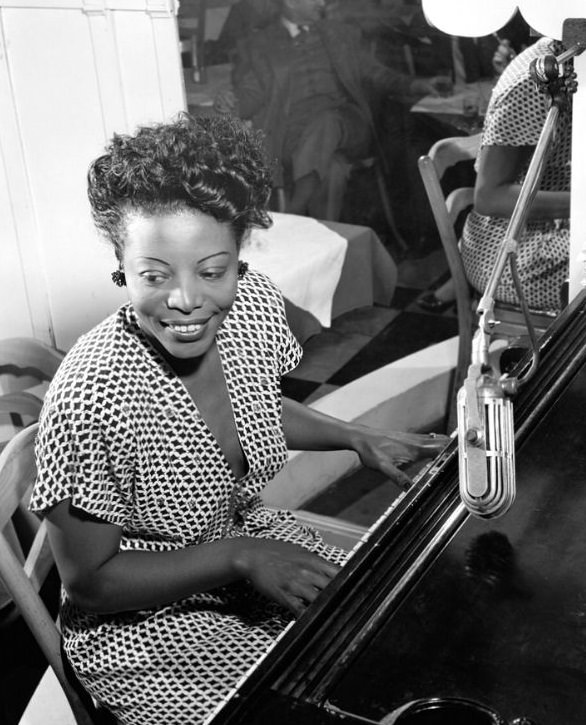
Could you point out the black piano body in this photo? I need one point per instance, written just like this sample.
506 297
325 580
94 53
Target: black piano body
436 603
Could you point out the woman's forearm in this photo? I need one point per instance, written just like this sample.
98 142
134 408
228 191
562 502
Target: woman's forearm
501 201
496 191
133 580
137 580
307 429
100 578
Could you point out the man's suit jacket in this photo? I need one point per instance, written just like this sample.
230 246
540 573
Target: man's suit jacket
262 77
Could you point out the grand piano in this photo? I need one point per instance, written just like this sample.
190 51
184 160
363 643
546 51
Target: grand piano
444 617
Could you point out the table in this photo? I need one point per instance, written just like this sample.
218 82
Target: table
322 277
449 110
368 277
323 268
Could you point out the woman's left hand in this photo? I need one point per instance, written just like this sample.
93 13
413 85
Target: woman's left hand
385 451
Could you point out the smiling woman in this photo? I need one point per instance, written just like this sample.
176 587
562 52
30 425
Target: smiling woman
163 425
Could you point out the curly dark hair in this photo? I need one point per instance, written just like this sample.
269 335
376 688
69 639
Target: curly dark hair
212 164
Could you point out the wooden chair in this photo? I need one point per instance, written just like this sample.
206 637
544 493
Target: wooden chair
27 365
24 572
342 169
23 404
512 328
25 362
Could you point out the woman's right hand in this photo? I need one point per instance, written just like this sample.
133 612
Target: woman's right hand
283 572
503 55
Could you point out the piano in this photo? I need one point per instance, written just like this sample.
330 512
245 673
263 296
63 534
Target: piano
441 617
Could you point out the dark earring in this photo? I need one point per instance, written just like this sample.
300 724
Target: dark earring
119 278
242 269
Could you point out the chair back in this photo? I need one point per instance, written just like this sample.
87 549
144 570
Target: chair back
448 152
26 362
26 367
23 569
447 210
444 154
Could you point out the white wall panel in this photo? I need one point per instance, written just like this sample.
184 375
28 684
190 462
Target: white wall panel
15 313
23 297
74 73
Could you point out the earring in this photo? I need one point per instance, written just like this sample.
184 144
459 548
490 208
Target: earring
242 269
119 278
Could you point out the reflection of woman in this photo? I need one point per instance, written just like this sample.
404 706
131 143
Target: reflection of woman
164 423
514 120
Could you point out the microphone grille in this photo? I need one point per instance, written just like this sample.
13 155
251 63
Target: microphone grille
487 453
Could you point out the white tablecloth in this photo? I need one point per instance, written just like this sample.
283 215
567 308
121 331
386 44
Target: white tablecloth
303 258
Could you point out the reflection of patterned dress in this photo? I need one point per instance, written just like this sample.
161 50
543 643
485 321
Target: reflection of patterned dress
515 117
121 436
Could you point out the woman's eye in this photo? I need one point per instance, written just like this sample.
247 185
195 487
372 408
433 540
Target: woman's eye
152 277
213 273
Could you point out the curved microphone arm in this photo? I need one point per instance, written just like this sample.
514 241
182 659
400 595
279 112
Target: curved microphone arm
485 412
545 72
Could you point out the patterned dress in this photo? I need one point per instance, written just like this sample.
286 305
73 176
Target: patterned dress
515 117
122 438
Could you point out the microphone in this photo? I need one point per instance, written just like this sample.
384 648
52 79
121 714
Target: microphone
486 437
544 69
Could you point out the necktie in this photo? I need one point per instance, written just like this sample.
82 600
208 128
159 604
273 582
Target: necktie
458 60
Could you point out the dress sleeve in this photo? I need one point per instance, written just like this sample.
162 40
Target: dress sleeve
262 307
517 111
290 351
83 458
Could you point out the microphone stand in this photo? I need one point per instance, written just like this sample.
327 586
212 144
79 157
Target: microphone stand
485 417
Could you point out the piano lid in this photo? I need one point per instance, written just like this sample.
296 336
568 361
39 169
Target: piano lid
436 603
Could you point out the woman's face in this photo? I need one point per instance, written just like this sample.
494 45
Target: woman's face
181 273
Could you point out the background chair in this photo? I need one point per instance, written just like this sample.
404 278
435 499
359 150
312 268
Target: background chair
447 212
341 172
27 366
25 362
24 572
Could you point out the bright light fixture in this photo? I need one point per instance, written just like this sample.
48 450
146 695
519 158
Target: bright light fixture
475 18
469 17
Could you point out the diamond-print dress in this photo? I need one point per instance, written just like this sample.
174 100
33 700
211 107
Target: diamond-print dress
122 438
515 117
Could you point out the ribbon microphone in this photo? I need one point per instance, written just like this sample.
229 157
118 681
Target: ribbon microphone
486 436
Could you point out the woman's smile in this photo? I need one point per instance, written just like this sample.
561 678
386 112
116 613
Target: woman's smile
187 331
